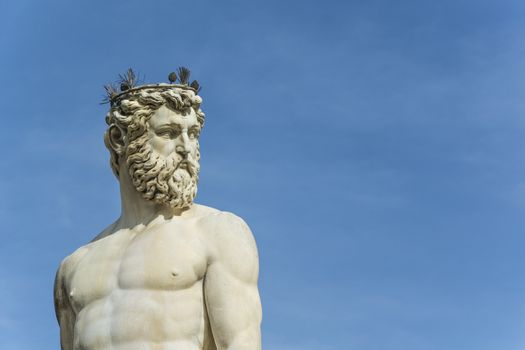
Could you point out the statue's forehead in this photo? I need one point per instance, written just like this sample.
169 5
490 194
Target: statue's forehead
165 115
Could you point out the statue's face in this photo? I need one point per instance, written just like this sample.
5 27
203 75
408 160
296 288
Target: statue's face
174 134
163 164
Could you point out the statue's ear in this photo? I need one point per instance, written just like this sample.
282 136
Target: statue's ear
116 139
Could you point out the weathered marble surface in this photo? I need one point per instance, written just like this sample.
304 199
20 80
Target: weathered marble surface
168 274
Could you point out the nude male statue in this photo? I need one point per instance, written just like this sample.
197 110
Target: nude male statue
168 274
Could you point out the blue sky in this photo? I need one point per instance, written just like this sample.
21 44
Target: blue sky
375 148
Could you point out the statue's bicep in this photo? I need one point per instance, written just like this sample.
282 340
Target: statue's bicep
64 312
233 307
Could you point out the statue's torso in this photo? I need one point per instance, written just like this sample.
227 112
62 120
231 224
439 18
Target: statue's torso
142 290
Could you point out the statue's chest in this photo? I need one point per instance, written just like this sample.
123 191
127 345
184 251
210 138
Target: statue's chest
159 259
162 260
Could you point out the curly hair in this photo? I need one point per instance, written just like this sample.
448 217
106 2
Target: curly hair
131 112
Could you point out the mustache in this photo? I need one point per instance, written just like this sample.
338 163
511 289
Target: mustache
191 165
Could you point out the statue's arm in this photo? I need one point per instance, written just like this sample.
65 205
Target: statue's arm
64 312
230 287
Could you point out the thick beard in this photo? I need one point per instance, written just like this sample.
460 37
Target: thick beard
162 180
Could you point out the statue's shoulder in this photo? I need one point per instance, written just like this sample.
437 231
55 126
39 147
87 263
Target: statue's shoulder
68 264
231 239
221 220
203 211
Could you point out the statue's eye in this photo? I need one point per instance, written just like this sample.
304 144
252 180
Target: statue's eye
167 133
193 134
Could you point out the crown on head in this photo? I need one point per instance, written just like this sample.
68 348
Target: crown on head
129 83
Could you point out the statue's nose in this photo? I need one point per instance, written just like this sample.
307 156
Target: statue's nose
184 147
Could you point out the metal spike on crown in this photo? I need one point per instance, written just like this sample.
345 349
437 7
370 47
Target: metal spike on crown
184 75
128 83
128 80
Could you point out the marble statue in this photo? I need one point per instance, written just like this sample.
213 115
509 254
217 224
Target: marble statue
168 273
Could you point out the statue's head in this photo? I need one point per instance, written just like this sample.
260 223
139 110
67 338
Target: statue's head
153 135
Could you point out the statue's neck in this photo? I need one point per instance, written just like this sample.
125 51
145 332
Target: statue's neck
136 210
